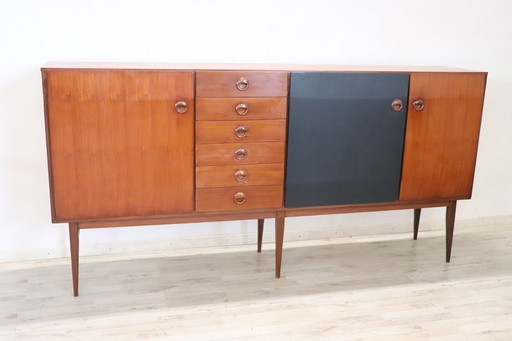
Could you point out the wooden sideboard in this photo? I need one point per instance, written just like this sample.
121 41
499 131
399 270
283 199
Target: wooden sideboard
141 144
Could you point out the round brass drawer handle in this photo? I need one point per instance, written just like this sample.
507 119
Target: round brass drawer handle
242 84
239 198
240 175
240 154
418 104
181 107
397 105
241 131
241 109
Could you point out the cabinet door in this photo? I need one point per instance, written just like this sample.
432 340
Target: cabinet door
345 141
117 146
442 138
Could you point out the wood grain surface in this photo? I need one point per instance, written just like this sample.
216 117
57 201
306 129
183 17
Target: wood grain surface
220 109
217 199
117 145
255 131
223 83
223 153
441 140
224 176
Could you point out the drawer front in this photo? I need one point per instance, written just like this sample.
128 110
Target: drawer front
220 109
226 153
240 131
241 84
243 175
238 198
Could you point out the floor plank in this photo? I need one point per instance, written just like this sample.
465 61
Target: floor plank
362 288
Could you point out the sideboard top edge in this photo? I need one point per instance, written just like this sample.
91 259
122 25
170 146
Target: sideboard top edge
247 67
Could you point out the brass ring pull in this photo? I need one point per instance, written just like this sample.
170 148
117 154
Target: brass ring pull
242 84
241 109
240 175
397 105
181 107
418 104
239 198
241 132
240 154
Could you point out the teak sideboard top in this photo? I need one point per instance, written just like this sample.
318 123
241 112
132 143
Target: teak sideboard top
157 143
248 67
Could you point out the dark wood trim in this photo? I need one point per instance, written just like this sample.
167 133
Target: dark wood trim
180 219
417 215
44 77
261 223
255 214
385 206
478 138
74 232
450 224
279 241
194 194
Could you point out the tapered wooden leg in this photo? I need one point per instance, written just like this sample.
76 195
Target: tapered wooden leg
417 214
279 242
260 233
450 224
74 232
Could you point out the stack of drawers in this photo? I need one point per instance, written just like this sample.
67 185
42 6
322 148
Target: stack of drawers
240 139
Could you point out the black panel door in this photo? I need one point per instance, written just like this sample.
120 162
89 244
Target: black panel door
345 141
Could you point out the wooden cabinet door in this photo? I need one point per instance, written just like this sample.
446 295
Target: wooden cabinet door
117 146
441 139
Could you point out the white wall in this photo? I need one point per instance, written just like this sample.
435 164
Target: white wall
459 33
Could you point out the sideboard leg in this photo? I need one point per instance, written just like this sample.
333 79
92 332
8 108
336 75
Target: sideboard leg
279 242
450 224
74 232
417 214
261 222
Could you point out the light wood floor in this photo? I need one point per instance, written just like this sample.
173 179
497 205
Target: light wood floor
366 288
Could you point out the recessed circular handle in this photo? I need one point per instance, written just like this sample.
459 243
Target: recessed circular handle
240 154
240 175
239 198
242 84
418 104
241 131
181 107
241 109
397 105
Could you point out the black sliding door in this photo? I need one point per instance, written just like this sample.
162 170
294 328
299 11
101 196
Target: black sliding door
345 138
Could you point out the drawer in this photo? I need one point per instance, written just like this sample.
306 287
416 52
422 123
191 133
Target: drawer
219 109
243 175
243 131
241 84
238 198
226 153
